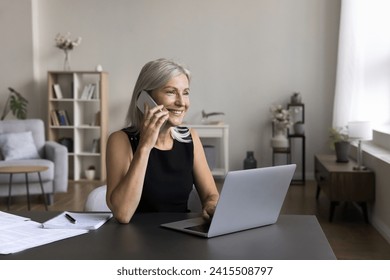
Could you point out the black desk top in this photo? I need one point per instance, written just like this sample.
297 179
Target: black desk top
292 237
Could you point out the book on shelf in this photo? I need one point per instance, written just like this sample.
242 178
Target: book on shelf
95 145
63 118
57 91
84 94
88 92
54 118
91 93
67 118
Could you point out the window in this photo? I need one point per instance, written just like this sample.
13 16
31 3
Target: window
363 70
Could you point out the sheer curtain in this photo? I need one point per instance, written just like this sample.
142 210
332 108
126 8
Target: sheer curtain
363 69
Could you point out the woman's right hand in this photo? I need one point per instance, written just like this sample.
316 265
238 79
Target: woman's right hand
154 119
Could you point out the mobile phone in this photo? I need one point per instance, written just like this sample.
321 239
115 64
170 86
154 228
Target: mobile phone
143 98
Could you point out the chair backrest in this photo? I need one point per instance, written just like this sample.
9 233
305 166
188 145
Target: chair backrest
36 126
96 200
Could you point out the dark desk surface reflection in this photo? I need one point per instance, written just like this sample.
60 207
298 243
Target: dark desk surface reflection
292 237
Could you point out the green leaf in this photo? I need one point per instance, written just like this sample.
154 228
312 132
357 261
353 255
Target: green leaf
18 106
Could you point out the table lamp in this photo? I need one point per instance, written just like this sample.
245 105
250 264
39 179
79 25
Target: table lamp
361 131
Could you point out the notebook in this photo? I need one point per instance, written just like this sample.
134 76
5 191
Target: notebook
87 220
249 199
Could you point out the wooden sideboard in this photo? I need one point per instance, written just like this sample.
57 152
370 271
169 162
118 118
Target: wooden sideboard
340 182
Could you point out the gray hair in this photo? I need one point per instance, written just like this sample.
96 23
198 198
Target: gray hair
155 74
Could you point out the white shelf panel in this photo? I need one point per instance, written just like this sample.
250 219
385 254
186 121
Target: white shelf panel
218 136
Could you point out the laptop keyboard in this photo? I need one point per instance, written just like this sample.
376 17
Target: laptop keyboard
200 228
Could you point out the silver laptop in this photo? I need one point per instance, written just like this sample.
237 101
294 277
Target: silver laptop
249 199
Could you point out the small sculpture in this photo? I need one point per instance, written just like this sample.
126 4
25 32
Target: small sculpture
296 98
205 117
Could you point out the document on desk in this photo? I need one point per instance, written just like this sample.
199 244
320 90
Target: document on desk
9 220
75 220
19 234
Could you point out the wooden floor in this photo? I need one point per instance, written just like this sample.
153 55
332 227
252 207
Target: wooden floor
349 236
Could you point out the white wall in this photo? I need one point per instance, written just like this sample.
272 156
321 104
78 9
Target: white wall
380 210
16 60
376 157
244 55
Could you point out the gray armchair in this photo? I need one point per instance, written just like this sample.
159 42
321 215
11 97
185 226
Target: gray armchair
50 154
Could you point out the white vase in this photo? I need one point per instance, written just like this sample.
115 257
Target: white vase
90 174
280 139
67 61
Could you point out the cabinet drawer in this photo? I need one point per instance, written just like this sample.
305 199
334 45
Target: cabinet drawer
321 173
359 187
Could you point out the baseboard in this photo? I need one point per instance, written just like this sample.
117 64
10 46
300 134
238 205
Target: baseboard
382 228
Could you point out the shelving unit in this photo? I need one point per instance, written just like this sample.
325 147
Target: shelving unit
293 138
86 124
218 137
296 142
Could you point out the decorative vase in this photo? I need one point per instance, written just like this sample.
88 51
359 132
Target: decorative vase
280 139
90 174
296 98
250 161
67 61
299 129
342 150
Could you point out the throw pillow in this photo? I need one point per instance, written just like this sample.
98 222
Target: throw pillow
18 145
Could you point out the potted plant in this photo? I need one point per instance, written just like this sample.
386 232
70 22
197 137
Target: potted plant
15 103
339 141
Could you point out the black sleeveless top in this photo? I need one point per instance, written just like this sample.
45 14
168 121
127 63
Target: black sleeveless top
168 179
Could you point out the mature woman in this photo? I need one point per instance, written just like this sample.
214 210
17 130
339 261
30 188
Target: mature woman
153 164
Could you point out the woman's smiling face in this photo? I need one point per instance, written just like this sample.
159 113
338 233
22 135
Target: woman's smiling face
175 98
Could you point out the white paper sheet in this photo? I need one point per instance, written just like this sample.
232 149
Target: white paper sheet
9 220
19 233
7 217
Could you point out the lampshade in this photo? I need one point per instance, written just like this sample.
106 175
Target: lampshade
360 130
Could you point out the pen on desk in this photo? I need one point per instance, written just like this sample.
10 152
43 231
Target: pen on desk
70 218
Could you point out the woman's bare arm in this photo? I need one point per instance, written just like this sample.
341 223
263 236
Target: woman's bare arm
204 181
